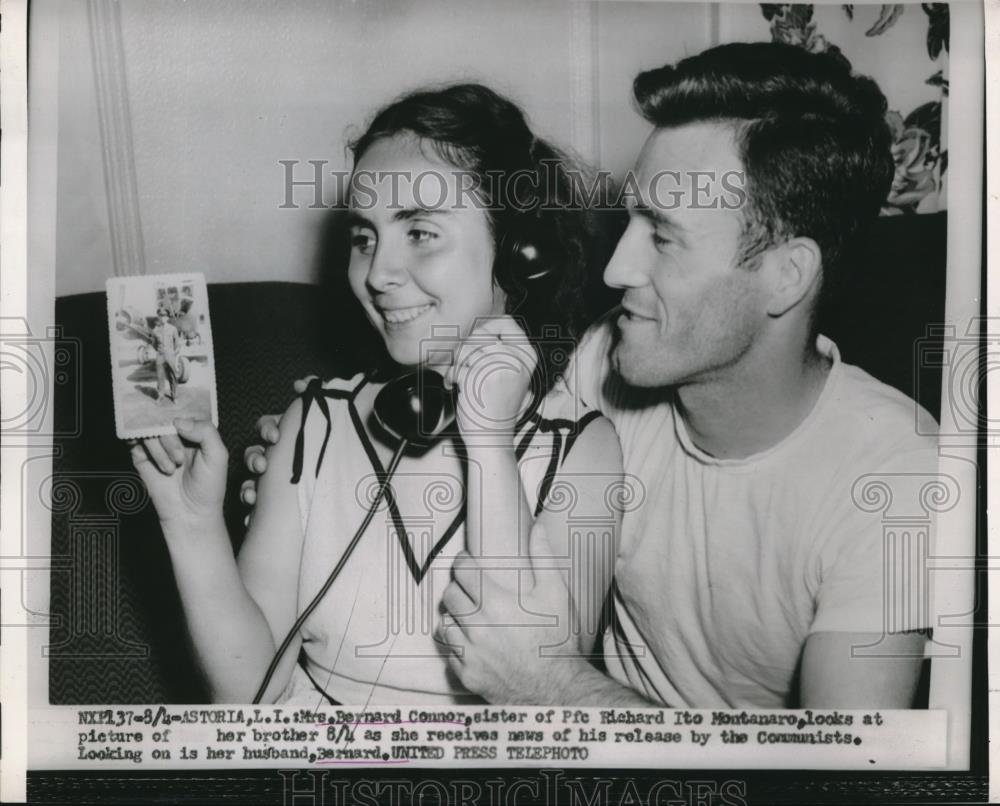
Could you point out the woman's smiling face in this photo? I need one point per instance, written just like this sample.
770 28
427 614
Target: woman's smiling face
421 251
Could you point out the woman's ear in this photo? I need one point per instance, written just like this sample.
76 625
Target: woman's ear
797 265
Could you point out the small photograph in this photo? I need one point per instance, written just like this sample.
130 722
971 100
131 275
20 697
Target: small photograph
162 363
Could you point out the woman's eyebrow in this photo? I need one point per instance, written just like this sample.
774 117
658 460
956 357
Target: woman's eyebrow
412 212
357 219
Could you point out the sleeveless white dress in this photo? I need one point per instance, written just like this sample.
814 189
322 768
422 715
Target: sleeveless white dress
371 639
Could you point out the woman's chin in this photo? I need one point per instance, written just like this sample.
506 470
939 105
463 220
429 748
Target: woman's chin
402 350
406 356
426 352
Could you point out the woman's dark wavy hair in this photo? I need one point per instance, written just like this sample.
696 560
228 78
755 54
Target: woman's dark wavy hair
486 135
812 136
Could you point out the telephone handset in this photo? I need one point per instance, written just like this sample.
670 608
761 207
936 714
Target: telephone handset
415 409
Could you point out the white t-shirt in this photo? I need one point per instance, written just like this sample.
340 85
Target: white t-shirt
728 565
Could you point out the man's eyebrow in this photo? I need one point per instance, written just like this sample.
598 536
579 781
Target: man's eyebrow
657 217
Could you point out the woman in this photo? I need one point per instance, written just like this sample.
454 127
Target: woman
449 260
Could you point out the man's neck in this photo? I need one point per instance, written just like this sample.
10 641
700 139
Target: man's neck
753 405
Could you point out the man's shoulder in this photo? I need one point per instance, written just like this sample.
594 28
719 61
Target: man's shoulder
872 401
876 424
596 343
591 363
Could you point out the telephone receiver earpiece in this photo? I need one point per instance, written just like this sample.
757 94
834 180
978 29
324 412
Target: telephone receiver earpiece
530 264
416 407
525 256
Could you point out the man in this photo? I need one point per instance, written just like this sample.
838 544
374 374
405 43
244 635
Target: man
748 576
166 340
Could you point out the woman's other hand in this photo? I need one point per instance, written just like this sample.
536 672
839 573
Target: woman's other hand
255 456
185 474
493 373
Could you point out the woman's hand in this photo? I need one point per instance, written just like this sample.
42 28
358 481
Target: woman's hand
493 372
255 458
185 474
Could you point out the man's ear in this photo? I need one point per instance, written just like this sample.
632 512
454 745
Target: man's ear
796 265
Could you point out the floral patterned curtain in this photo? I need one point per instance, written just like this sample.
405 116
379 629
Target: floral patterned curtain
905 49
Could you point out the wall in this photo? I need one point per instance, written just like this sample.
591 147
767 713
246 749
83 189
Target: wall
216 92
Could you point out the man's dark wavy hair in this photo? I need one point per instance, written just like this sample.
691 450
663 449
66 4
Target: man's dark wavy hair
812 137
480 132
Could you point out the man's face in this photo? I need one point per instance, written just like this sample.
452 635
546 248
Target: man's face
689 311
